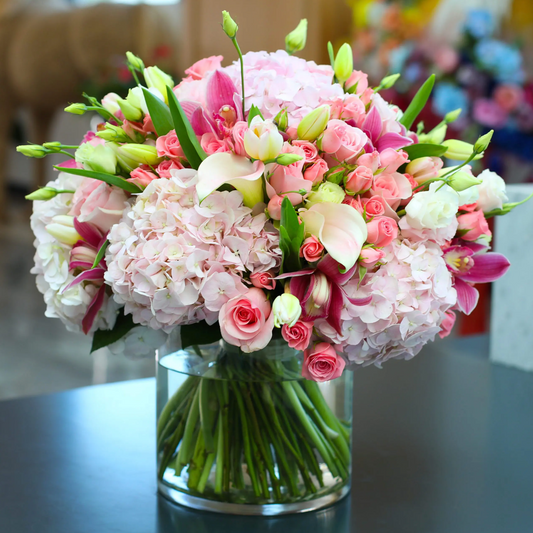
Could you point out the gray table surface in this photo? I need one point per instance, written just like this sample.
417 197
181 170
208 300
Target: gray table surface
443 443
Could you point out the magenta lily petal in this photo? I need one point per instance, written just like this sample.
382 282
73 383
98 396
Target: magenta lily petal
372 125
200 122
88 275
189 108
92 310
88 232
467 296
70 163
79 264
475 247
336 304
237 101
331 269
220 91
359 301
487 267
295 274
392 140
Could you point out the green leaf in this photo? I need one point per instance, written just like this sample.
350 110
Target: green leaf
362 274
186 136
159 113
110 179
331 55
199 333
289 218
105 337
414 151
291 237
254 112
418 102
100 254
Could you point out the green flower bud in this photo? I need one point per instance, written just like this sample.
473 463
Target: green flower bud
282 120
458 150
76 109
114 134
460 181
452 116
125 162
140 153
343 65
33 150
435 136
229 25
326 192
135 61
45 193
388 82
295 40
130 112
156 78
102 159
287 159
483 142
314 123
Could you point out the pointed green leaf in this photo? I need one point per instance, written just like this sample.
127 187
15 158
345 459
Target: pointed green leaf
186 136
159 113
105 337
100 254
291 237
289 218
331 55
418 102
254 112
110 179
414 151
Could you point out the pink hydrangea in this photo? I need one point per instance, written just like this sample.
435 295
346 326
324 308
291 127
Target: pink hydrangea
173 261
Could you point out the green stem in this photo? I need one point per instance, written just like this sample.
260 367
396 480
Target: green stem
241 59
196 466
210 459
220 455
207 415
174 401
186 449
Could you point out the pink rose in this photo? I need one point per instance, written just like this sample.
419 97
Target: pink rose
447 324
391 160
359 180
509 96
322 363
211 144
468 207
310 150
168 145
311 249
370 256
299 335
315 172
237 133
247 321
393 187
142 176
359 79
263 280
343 141
371 160
199 69
98 203
164 168
274 207
375 206
474 225
348 108
382 231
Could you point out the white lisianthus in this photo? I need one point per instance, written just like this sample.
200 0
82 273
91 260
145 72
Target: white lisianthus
491 191
433 209
262 139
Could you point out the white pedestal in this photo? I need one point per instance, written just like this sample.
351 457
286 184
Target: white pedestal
512 302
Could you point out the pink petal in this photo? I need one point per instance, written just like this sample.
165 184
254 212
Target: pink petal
92 310
336 304
79 264
359 301
372 124
487 267
220 91
89 232
467 296
392 140
94 274
189 108
200 122
331 269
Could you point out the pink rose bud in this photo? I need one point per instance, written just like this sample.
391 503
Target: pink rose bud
164 168
354 202
424 168
447 324
357 83
359 180
316 171
382 231
168 145
391 160
311 249
322 363
274 207
343 140
310 150
375 206
468 207
263 280
370 256
237 134
142 176
474 225
299 335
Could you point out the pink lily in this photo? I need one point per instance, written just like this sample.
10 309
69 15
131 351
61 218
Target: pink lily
373 127
93 239
321 292
470 265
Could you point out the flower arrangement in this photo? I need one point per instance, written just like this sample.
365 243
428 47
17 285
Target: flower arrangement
270 201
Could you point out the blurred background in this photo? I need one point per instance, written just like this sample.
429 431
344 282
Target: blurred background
51 51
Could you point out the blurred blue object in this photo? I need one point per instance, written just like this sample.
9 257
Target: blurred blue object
479 23
448 97
502 59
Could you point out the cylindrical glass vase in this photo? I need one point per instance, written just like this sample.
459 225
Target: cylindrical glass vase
246 434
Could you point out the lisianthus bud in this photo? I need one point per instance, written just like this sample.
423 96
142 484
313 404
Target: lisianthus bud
229 25
109 101
282 119
286 309
45 193
483 142
113 134
326 192
314 123
295 40
388 81
459 150
124 160
130 112
33 150
343 65
452 116
460 181
156 78
76 109
262 140
288 159
102 159
62 229
134 61
53 146
140 153
435 136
